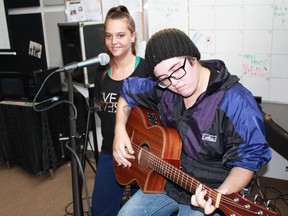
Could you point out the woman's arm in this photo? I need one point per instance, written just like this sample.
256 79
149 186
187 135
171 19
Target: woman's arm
122 148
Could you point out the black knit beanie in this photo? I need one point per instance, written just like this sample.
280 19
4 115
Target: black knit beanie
168 43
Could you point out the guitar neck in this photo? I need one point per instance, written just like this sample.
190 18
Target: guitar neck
232 204
177 176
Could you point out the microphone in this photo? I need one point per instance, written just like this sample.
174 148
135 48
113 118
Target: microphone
102 59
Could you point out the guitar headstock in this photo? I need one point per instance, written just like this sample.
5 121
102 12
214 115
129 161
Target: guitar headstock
235 204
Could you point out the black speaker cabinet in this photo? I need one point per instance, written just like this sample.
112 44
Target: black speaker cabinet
24 86
81 41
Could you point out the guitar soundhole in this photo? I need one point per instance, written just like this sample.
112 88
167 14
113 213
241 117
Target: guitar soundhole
152 118
143 156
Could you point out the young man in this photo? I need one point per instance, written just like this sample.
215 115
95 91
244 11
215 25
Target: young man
218 120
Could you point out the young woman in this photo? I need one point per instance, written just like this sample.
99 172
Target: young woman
120 42
218 120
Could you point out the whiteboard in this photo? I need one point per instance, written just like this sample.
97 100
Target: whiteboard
162 14
250 36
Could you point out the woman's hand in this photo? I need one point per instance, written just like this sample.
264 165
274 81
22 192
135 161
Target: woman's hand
122 148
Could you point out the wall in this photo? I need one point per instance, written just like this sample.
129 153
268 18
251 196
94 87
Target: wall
52 12
249 35
277 168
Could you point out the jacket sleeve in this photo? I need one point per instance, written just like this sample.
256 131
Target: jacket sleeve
139 92
253 151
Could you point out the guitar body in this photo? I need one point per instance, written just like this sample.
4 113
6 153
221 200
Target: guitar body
147 134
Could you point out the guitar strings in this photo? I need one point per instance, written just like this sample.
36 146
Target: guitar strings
183 179
169 170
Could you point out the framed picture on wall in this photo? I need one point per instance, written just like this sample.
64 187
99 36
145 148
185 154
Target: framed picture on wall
21 3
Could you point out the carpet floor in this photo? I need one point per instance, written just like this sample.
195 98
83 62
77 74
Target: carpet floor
23 193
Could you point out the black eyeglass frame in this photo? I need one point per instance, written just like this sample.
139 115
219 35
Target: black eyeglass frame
160 82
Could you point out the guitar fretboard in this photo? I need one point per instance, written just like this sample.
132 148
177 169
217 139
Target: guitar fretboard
173 173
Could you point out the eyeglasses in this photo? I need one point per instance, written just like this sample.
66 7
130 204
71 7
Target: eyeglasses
164 81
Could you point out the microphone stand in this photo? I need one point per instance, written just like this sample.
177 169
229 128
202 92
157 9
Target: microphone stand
103 59
77 198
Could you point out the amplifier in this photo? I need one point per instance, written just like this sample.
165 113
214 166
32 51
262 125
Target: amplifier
25 85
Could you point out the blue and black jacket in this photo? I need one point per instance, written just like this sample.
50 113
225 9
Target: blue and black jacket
223 129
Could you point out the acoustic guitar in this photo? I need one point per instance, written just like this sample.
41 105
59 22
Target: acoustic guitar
157 152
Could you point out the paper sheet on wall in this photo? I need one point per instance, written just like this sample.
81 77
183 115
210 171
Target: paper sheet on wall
75 11
132 5
93 9
83 10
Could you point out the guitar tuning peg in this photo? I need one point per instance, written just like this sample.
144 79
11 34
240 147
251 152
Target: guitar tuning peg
244 192
267 204
255 198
